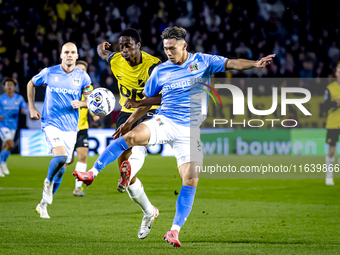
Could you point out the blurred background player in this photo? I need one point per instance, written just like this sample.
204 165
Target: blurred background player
82 144
132 68
65 84
11 105
332 106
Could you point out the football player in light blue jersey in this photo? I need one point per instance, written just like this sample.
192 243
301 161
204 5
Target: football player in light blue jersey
179 81
11 105
65 84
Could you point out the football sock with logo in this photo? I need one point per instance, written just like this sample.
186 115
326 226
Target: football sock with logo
137 194
136 159
111 153
4 155
184 204
57 179
81 167
56 163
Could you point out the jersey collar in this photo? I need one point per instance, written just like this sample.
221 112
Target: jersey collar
65 70
184 59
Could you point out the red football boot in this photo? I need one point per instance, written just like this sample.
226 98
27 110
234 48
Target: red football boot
85 177
172 238
124 179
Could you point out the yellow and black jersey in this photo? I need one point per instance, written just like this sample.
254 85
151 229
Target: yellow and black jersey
333 109
132 79
83 122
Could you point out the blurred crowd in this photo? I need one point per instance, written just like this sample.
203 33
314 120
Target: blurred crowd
303 34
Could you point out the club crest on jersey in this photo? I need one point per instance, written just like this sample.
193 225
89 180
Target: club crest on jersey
56 139
193 68
160 122
76 82
16 101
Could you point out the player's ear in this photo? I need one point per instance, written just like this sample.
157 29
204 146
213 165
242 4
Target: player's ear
185 45
138 45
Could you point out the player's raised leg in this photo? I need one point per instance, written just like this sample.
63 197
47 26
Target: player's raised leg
138 136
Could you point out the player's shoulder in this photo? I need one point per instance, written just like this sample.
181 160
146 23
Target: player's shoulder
332 85
149 58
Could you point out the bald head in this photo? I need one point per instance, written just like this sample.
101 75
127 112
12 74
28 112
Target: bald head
69 55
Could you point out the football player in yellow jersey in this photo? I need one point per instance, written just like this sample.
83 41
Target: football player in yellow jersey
332 106
132 68
82 144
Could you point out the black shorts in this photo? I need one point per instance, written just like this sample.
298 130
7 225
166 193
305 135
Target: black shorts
82 139
332 136
123 116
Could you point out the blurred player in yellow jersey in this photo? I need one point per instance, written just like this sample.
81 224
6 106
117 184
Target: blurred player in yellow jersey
332 106
132 68
82 145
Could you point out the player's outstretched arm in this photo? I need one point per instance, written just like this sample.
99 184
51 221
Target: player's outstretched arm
130 103
102 50
244 64
34 113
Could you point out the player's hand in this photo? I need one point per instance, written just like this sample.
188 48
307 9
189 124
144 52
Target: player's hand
263 62
1 118
104 45
337 100
130 103
76 104
95 117
35 114
122 130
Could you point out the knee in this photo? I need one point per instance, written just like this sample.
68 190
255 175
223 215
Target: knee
131 138
192 182
10 145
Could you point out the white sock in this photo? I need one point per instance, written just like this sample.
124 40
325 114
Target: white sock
43 203
137 194
81 167
136 159
94 171
329 161
175 227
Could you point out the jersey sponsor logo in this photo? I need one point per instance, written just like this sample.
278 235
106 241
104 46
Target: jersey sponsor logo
76 82
176 85
63 91
193 68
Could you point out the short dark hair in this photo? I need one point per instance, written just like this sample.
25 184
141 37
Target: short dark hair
133 33
82 62
9 79
177 33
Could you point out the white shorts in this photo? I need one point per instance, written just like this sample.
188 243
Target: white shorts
55 137
7 134
185 141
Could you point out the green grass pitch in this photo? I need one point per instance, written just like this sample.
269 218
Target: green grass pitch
229 216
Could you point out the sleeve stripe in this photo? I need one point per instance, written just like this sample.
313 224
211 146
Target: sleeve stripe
110 57
144 94
225 65
153 67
